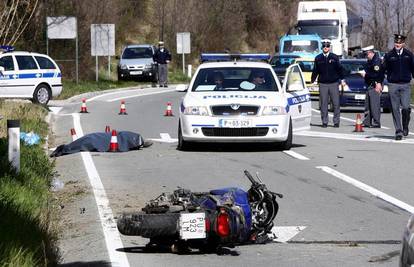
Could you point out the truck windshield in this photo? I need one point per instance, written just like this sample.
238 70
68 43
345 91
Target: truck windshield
326 29
300 46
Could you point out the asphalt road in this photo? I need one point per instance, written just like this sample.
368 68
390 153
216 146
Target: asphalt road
347 195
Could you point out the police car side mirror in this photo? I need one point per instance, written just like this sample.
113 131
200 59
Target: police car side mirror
181 88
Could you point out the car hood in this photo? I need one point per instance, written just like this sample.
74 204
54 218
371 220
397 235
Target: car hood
232 97
136 61
355 82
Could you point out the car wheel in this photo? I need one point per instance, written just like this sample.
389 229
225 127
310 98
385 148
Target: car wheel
386 110
182 144
42 94
287 144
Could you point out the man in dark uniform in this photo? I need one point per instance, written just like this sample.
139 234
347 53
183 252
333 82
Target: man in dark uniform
329 71
399 67
374 77
162 56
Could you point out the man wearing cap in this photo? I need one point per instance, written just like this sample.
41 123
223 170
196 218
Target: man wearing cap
374 77
162 56
399 67
329 71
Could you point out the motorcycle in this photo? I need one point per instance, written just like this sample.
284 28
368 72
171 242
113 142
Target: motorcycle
185 220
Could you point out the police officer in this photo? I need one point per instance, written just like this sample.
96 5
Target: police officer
374 77
329 71
162 56
399 67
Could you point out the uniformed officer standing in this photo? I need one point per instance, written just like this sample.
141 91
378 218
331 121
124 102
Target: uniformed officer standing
162 56
399 67
329 71
374 77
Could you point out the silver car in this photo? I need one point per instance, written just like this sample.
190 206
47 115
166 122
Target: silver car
136 62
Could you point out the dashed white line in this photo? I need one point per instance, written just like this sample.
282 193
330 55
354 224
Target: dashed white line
367 188
112 239
295 155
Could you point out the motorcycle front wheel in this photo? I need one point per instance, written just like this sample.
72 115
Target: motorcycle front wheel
148 225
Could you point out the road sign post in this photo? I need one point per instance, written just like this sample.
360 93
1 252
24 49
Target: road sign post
183 45
103 43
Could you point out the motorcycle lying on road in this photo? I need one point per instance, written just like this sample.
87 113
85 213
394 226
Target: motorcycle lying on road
185 220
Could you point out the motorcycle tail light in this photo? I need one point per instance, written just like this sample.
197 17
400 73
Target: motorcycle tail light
223 224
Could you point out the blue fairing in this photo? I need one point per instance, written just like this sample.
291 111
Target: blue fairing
240 199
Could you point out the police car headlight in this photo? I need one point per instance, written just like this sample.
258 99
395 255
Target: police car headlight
345 88
196 110
385 89
124 67
148 66
273 110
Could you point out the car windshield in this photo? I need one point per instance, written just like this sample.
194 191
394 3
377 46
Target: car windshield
234 79
352 67
137 52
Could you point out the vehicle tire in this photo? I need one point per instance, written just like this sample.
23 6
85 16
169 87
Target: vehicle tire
42 94
182 144
386 110
148 225
287 144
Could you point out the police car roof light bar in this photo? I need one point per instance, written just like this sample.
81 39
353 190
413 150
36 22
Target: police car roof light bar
234 57
6 48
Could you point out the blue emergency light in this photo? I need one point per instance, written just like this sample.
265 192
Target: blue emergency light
204 57
6 48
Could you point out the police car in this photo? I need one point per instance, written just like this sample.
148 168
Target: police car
249 104
29 75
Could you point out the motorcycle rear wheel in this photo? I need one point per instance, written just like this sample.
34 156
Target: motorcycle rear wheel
149 225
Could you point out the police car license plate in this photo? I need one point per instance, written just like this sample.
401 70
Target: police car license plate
193 225
135 72
235 123
360 97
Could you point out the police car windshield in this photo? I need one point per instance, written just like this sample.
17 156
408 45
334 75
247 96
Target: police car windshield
137 52
234 79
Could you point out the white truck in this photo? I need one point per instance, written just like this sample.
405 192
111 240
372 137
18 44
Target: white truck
331 20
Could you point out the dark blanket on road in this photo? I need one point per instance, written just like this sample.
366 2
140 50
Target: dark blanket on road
100 142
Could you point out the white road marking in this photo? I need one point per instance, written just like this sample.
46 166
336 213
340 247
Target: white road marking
112 93
55 110
285 233
367 188
165 138
112 238
295 155
141 94
347 119
357 137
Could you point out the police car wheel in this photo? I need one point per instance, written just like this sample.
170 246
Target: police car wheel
42 94
287 144
182 144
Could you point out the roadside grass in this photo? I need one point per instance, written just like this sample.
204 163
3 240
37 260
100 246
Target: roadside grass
27 234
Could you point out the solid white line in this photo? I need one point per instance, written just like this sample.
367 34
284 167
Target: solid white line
347 119
367 188
112 238
142 94
112 93
295 155
357 137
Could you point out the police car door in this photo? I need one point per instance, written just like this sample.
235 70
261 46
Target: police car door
8 75
29 75
298 98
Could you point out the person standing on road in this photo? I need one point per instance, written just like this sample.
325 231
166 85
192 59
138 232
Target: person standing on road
162 57
329 71
399 67
374 77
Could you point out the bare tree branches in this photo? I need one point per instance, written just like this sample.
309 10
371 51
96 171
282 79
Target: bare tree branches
15 15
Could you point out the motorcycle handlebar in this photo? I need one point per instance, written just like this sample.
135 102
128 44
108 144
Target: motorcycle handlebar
252 180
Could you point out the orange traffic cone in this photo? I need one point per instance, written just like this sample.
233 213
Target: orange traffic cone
358 124
73 134
83 107
168 111
113 146
123 109
107 129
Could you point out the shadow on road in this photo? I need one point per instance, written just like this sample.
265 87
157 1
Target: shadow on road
87 264
237 147
165 249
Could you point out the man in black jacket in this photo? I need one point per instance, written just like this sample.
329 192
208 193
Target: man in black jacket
399 67
162 56
374 77
329 71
